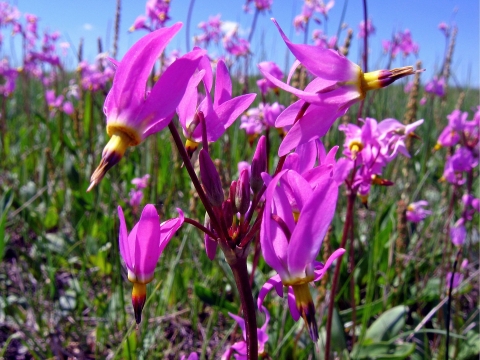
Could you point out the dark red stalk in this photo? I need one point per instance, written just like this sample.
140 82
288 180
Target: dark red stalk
193 177
200 227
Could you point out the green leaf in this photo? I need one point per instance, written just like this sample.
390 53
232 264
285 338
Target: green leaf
470 349
389 324
382 350
211 298
5 203
51 218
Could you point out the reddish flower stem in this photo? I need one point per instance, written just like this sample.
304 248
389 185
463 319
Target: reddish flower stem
200 227
193 177
346 228
238 264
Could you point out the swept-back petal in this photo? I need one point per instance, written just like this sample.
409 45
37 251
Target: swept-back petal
273 282
320 272
169 228
169 89
312 226
300 189
188 105
207 68
307 154
287 117
223 85
147 245
123 241
132 72
230 110
292 304
309 128
325 63
270 233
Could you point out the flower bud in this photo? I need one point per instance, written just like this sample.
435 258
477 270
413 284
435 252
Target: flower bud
227 210
242 193
231 195
259 165
210 179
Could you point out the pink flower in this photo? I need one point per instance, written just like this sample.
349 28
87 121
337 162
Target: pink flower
142 248
132 114
272 69
416 211
240 347
219 114
339 84
365 30
141 183
295 221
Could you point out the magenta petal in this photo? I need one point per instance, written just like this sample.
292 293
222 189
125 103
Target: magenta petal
240 322
292 304
207 68
169 89
123 240
230 110
307 154
308 128
325 63
287 117
273 282
188 105
300 188
320 272
223 85
272 238
147 245
294 67
169 228
312 226
137 64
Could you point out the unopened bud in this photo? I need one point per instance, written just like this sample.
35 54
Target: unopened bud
231 195
227 210
210 179
242 193
259 165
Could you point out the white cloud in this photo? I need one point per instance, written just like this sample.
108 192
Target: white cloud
87 26
228 27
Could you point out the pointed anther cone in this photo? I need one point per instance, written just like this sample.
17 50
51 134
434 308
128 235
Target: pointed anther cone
139 296
112 154
306 308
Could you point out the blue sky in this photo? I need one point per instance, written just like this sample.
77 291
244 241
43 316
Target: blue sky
90 19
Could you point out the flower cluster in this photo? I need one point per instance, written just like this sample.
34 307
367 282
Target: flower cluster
462 136
365 30
339 83
156 15
401 42
57 103
211 31
136 194
368 149
309 9
256 120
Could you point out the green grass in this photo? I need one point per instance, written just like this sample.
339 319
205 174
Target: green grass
64 292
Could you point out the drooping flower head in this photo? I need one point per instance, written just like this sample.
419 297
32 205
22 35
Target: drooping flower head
132 114
339 83
295 221
142 248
